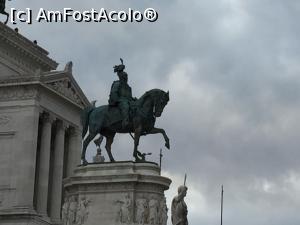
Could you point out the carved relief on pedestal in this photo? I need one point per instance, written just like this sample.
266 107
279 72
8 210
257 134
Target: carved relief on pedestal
82 210
75 211
72 210
142 211
163 212
151 210
125 207
65 212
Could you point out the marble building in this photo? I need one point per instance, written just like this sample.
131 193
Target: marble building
40 131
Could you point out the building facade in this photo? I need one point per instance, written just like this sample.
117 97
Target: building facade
40 131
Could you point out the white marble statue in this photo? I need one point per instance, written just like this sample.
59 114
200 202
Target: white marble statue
179 208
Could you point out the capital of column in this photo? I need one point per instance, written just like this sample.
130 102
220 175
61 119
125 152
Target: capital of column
74 131
47 117
61 125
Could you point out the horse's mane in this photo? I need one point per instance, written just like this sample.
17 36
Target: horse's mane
148 94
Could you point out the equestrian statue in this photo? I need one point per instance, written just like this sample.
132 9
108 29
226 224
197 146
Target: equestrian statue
2 10
124 114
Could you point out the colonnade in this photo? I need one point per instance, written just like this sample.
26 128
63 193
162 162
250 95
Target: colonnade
58 155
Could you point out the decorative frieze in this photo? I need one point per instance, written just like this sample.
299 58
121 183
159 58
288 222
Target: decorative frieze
151 210
75 210
148 209
17 93
124 210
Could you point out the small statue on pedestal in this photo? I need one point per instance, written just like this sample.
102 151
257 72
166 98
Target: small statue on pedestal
98 158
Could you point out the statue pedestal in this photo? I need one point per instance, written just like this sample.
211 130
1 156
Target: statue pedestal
115 194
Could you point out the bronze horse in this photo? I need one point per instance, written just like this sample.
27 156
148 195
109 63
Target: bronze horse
107 121
2 10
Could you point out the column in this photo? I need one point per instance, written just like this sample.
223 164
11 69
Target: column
44 164
57 176
74 151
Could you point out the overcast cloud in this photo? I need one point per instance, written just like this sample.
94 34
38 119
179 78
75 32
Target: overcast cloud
232 69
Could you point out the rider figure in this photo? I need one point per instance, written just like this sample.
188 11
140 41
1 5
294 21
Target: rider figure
120 93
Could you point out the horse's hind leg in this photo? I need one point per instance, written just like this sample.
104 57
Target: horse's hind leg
109 141
86 142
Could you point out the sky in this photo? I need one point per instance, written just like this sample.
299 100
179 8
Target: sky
232 69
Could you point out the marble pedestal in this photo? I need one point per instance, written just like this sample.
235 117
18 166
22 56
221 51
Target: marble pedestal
115 194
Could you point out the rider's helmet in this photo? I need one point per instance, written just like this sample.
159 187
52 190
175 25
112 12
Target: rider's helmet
119 68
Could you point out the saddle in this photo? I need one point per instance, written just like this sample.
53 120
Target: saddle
114 114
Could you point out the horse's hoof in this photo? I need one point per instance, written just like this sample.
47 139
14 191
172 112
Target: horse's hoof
167 145
137 159
84 162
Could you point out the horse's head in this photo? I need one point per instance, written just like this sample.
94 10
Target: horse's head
161 99
154 102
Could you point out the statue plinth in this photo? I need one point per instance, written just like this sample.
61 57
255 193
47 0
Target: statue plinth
116 193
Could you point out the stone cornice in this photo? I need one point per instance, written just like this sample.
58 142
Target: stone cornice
14 80
73 94
26 48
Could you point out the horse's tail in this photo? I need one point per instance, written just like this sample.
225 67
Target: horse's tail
85 115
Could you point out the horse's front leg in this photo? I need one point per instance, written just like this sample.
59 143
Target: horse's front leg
137 135
109 141
161 131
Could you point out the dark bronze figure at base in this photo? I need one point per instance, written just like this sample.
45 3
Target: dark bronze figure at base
124 114
108 121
